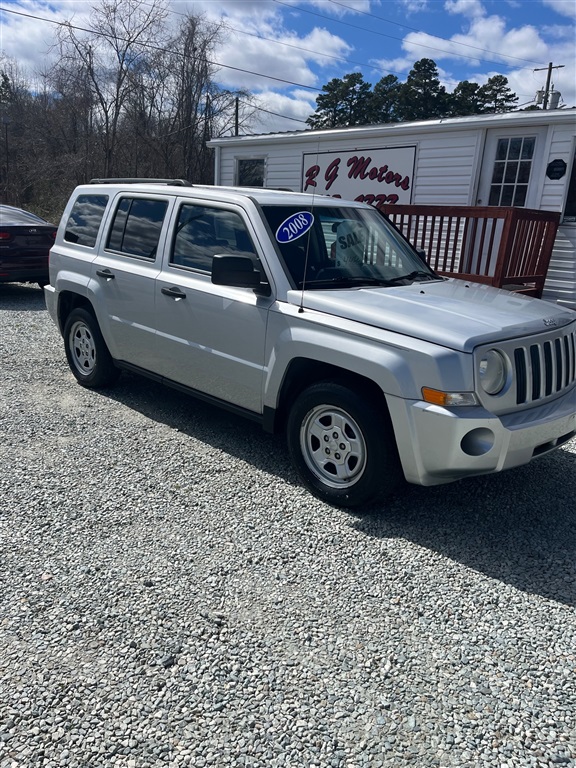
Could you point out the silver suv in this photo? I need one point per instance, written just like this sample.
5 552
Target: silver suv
311 315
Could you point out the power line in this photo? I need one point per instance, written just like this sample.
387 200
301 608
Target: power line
400 39
550 67
309 50
164 50
276 114
158 48
290 45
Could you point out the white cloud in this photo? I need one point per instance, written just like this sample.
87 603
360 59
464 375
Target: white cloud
414 6
337 9
298 104
29 40
486 39
285 57
563 7
469 8
322 46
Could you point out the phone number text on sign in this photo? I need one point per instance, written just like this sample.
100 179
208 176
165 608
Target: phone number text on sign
377 177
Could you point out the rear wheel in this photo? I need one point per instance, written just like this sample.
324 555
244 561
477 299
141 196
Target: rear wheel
86 351
342 445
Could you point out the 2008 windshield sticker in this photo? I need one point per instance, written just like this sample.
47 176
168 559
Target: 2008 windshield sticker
294 227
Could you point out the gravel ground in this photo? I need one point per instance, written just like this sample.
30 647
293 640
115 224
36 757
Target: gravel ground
171 596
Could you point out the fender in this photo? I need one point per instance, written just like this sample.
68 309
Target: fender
395 363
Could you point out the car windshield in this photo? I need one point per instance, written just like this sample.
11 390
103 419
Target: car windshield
339 246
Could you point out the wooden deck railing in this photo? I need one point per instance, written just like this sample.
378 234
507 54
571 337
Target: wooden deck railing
504 247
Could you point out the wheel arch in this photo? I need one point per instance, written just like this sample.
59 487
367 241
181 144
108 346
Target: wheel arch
67 301
303 372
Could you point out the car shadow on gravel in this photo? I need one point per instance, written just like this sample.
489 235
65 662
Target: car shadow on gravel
518 526
222 429
21 297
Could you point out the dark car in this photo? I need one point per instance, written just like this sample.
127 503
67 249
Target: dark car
25 240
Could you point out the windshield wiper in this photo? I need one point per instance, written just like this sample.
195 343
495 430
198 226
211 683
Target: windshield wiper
352 280
412 276
332 282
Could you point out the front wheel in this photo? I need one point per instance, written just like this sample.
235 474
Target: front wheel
342 445
86 350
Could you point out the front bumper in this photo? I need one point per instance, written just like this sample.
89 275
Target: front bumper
439 445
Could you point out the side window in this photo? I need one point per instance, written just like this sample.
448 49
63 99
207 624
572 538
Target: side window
202 232
136 227
250 171
511 172
85 218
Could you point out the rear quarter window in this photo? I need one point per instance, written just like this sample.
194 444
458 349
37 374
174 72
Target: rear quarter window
85 219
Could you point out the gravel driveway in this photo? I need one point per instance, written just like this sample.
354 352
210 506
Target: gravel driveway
171 596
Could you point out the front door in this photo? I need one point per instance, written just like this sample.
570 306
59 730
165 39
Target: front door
211 337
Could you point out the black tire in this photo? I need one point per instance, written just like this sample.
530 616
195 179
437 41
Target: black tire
86 351
343 445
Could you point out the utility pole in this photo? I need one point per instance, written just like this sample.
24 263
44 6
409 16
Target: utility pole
6 123
550 67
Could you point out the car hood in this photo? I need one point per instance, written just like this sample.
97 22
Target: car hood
453 313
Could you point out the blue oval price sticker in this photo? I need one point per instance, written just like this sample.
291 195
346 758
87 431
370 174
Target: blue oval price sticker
294 227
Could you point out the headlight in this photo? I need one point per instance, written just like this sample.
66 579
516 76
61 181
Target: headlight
493 372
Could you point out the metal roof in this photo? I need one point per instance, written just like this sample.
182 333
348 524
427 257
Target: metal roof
530 117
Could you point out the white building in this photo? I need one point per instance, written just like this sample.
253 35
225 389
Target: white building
519 158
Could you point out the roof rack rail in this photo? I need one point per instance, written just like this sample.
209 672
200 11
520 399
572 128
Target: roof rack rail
173 182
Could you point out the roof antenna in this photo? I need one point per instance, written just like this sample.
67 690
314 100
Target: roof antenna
301 307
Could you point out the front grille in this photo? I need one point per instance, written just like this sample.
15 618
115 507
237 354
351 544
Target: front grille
545 368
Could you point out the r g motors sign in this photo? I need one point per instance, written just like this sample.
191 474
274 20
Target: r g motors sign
374 176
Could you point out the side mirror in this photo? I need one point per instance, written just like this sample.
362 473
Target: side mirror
237 271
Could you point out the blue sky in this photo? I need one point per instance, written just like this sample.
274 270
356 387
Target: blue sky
302 45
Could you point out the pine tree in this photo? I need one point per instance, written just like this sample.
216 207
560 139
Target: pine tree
497 96
344 102
422 96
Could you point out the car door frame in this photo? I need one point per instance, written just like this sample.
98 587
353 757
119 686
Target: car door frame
214 340
123 286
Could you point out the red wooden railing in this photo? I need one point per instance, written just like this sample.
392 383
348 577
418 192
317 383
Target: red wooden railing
504 247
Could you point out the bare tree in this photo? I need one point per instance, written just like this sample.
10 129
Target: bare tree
133 96
108 58
198 108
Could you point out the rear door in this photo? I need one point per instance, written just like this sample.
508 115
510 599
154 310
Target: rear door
123 276
211 337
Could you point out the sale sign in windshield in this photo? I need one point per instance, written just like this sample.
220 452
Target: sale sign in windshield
374 176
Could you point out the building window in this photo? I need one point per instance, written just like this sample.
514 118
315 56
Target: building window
512 167
250 172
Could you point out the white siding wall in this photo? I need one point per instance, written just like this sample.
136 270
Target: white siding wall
446 168
561 147
445 164
560 284
561 278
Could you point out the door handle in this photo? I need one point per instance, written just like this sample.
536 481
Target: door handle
105 273
174 293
